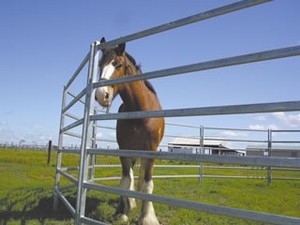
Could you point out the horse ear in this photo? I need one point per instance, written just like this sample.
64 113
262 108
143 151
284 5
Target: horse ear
102 40
120 49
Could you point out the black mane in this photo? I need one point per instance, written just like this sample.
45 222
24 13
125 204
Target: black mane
138 68
132 60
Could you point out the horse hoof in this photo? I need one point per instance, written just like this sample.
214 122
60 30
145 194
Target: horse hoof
124 218
148 220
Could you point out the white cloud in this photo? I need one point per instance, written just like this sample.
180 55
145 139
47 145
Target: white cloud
257 127
35 134
234 134
289 119
263 127
261 118
3 124
7 135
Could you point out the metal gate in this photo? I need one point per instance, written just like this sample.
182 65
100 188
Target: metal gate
88 123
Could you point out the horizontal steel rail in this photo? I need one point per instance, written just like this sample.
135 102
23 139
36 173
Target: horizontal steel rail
241 160
205 111
90 221
286 131
70 115
66 169
65 202
72 125
285 142
203 207
106 140
75 100
194 176
168 26
185 21
234 129
67 187
73 95
219 63
236 140
70 151
203 176
72 134
183 125
106 127
197 166
68 176
214 139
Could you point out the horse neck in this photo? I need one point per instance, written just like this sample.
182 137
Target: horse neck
136 95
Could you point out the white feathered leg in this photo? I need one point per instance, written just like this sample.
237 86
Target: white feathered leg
127 203
148 216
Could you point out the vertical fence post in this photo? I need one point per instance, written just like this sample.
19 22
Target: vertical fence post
86 141
202 151
94 145
94 126
269 177
49 151
59 153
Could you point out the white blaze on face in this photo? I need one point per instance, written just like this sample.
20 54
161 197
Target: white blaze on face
105 94
108 71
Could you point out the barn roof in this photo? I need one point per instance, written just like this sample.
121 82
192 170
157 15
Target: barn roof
195 141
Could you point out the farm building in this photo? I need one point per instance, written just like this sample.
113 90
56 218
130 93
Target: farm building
277 150
192 145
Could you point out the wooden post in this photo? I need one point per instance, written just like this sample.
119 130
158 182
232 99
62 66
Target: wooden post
269 177
49 151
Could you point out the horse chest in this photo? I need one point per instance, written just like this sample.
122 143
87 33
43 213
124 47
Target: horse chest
132 130
133 135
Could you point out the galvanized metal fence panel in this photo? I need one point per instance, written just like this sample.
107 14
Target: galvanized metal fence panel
89 118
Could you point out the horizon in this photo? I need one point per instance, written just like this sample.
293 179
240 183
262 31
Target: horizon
45 39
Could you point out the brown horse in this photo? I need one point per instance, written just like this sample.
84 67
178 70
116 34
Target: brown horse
134 134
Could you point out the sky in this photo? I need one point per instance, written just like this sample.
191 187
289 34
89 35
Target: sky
43 43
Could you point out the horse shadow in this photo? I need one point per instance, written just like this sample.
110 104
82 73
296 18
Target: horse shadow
27 204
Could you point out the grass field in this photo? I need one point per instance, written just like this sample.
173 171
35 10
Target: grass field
26 192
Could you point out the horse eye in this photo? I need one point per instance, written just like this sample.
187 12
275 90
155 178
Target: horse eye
118 66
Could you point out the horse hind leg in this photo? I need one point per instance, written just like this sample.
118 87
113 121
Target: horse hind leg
146 185
126 182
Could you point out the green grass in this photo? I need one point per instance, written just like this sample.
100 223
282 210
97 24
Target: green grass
26 192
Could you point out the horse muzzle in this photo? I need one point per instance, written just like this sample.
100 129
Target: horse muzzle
104 96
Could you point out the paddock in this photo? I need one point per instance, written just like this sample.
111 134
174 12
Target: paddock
87 126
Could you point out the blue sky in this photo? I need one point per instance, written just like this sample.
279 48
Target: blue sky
43 42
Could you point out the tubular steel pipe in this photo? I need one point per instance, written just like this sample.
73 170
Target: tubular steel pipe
75 100
72 125
185 21
205 111
65 201
240 160
82 181
203 207
83 63
86 138
225 62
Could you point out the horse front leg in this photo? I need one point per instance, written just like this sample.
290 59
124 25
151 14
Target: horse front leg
148 216
126 182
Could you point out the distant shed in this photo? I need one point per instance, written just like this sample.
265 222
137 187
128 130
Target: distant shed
192 145
277 150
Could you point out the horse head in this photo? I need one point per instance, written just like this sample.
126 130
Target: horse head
113 64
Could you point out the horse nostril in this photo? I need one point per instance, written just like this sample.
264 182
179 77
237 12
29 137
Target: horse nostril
106 96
